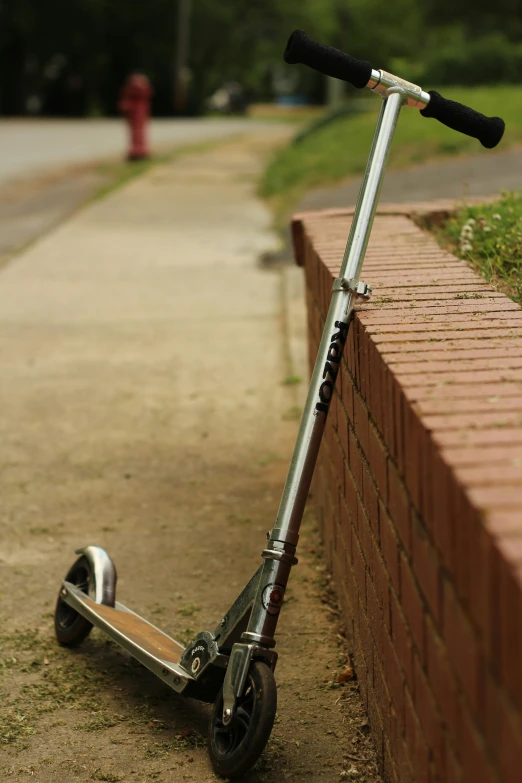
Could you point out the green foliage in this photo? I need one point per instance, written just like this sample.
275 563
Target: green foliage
75 55
489 236
457 59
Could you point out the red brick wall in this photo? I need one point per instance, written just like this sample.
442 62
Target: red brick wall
419 495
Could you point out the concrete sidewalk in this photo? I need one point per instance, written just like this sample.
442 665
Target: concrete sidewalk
142 351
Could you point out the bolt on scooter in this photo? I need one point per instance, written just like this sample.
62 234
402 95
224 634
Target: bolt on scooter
233 665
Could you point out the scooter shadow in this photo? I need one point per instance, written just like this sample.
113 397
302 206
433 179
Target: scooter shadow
142 699
138 692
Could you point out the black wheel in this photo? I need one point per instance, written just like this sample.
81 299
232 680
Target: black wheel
70 627
235 748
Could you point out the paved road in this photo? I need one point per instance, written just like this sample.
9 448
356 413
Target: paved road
37 146
478 175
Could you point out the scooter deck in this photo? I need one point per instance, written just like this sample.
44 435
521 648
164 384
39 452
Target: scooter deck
157 651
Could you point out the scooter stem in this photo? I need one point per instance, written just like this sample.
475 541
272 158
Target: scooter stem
279 554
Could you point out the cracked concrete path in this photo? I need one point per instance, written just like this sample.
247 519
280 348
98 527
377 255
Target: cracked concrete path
142 352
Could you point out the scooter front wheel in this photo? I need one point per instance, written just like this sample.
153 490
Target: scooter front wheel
70 627
234 748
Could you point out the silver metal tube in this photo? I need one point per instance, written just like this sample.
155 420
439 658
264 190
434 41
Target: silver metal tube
313 420
286 529
285 533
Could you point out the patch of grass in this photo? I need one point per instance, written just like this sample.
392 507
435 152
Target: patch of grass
100 723
292 414
37 678
268 459
291 380
489 237
59 684
340 149
188 610
239 518
111 777
118 174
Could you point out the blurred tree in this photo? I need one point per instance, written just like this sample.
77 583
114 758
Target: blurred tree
66 57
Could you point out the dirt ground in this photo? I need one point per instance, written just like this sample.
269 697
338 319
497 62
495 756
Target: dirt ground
145 409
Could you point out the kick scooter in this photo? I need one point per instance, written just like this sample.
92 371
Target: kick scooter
233 666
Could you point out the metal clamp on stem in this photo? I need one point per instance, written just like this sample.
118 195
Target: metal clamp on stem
360 289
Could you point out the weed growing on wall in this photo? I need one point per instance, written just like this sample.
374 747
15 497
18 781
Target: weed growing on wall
489 236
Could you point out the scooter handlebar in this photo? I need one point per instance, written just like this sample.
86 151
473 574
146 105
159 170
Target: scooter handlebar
332 62
488 130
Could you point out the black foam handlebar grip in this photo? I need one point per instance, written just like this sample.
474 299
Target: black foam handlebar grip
488 130
327 60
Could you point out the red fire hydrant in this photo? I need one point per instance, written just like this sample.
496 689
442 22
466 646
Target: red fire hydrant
134 104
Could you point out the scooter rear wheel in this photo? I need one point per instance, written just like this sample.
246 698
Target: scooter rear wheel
234 748
70 627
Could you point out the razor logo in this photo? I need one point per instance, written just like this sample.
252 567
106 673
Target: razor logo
331 367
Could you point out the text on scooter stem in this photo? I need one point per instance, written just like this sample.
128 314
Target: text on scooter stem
331 367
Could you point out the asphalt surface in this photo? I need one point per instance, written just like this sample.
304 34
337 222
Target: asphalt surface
481 175
33 147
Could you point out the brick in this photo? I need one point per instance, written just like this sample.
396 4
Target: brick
364 531
356 461
440 519
381 581
497 497
402 641
338 460
359 565
412 606
394 679
366 640
426 709
388 422
374 395
398 506
499 523
361 424
412 453
350 353
345 521
476 764
390 548
470 578
510 619
463 649
376 723
374 612
342 429
509 749
371 501
378 458
442 682
416 742
347 391
427 568
363 376
453 768
350 495
399 424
